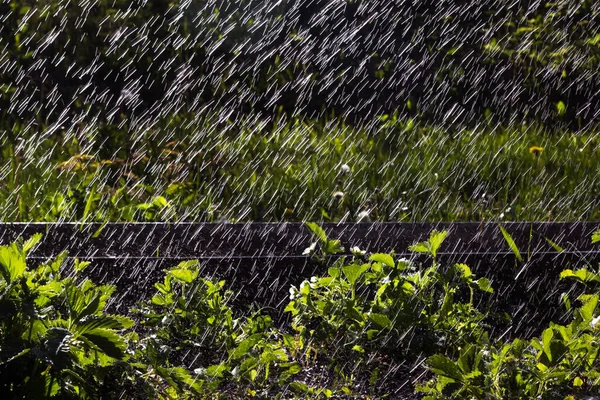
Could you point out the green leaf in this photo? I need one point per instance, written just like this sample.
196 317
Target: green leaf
299 387
334 272
99 230
422 247
435 240
582 275
12 262
464 269
466 361
109 342
554 245
383 258
334 247
184 376
317 231
353 272
245 346
484 285
217 371
32 241
547 336
188 264
55 264
88 205
381 320
91 307
160 202
183 275
561 108
589 306
511 243
80 266
52 386
596 237
443 366
358 348
102 322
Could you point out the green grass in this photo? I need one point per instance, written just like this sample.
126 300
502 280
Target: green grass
209 171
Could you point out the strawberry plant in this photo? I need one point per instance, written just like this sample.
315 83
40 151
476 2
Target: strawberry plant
55 337
382 304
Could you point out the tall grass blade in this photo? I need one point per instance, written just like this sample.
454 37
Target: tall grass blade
511 243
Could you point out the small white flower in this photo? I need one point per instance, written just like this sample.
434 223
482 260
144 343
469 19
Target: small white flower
200 371
501 216
386 280
363 216
357 252
436 175
304 284
314 279
294 293
594 322
345 169
310 249
338 195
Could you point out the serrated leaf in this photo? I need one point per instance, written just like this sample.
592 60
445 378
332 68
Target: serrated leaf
108 341
334 272
184 376
589 306
353 272
12 262
582 275
466 361
464 269
80 266
102 322
422 247
383 258
216 371
380 319
443 366
183 275
245 346
317 231
435 241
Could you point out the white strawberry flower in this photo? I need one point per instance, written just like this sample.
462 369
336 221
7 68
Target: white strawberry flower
310 249
357 251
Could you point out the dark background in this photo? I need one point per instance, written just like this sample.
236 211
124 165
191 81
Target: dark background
110 62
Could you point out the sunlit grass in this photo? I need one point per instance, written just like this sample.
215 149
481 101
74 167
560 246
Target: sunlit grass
298 171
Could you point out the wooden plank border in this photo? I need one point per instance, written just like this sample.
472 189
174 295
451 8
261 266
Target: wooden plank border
257 240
